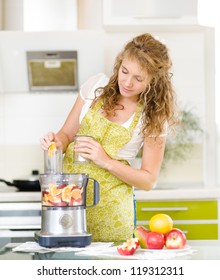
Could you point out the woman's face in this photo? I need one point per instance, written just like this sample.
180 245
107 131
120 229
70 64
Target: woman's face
132 79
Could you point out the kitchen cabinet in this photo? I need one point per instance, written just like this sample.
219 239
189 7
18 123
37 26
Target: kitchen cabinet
24 15
20 216
1 14
197 218
139 13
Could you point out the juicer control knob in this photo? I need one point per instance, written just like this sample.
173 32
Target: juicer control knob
66 221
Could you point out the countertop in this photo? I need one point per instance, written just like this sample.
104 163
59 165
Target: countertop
11 195
203 250
20 196
178 194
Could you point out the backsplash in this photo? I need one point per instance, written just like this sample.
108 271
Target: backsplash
18 161
24 118
14 45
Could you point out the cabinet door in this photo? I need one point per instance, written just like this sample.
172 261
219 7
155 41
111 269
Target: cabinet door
196 231
147 11
178 210
197 219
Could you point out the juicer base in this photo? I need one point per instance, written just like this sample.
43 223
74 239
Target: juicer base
49 241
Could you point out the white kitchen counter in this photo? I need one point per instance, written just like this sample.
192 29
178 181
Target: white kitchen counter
178 194
203 250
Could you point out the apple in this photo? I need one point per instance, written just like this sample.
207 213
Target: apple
155 240
129 247
141 233
133 241
175 239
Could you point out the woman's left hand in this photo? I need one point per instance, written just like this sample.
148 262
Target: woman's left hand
89 148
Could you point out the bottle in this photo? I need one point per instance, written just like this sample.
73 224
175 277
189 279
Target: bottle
34 175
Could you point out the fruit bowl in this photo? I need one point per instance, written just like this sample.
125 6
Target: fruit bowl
160 234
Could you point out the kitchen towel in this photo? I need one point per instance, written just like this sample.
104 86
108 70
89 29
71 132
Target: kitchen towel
34 247
146 254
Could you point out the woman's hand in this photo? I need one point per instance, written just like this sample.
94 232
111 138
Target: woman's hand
48 138
89 148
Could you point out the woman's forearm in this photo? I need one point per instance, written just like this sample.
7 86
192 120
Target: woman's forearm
64 139
139 178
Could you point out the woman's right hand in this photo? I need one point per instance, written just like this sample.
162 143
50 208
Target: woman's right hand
48 138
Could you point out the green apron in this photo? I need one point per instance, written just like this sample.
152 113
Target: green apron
112 219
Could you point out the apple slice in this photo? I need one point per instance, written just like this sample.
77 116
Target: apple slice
61 186
129 247
62 203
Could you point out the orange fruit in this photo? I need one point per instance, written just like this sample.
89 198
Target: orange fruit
52 198
52 149
45 198
54 190
76 194
162 223
66 193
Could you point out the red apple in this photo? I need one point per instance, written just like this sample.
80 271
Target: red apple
129 247
155 240
175 239
141 233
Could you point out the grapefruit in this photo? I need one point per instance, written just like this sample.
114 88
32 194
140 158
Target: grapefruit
162 223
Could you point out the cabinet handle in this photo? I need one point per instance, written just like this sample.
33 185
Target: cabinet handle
20 206
164 209
19 233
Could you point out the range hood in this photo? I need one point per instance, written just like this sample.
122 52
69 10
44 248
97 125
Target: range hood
52 70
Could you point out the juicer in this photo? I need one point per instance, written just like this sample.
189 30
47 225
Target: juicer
63 216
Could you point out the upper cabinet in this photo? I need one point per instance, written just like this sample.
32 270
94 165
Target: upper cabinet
155 13
38 15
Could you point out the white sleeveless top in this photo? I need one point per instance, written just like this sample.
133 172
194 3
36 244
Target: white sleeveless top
87 93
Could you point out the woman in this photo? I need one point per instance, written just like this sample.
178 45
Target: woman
132 109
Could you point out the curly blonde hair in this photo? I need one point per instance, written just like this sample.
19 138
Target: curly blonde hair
158 99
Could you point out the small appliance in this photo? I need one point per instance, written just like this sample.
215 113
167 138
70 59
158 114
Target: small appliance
63 215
